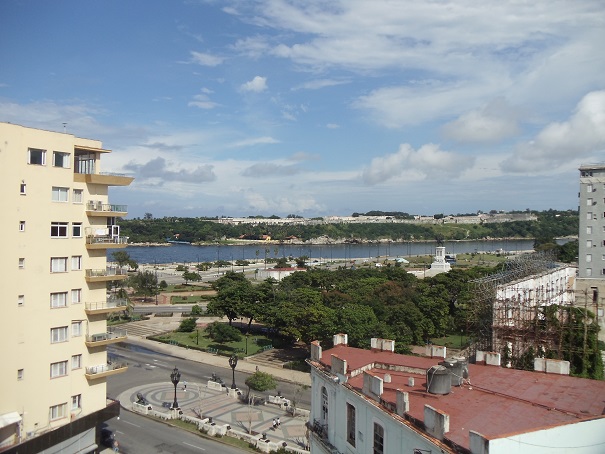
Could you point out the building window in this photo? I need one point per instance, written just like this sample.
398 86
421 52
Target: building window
22 188
589 230
588 258
378 439
60 194
20 300
76 262
324 405
57 412
76 229
588 272
589 202
21 263
76 362
60 159
77 196
20 374
589 188
36 156
589 215
21 226
58 335
76 402
351 424
76 328
58 369
76 296
58 229
58 299
58 264
588 243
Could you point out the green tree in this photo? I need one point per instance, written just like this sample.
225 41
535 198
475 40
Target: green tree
222 333
191 276
145 283
187 325
261 382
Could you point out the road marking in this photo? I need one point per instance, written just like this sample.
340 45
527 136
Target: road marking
118 432
193 446
131 423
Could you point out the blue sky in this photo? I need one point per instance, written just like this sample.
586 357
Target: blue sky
237 108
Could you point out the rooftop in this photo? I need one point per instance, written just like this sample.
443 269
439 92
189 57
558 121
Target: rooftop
494 401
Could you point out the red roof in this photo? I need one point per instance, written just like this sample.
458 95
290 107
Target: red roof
497 401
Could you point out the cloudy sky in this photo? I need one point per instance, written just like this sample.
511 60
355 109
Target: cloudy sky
246 107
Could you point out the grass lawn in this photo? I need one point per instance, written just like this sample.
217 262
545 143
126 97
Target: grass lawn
452 341
184 288
189 299
199 340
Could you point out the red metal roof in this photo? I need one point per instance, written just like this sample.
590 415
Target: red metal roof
497 401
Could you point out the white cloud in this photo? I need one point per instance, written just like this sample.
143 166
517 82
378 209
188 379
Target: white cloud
491 123
561 143
265 169
158 169
203 59
332 126
256 85
252 141
318 84
427 161
202 101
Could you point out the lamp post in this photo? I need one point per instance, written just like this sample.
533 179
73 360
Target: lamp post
247 334
175 377
232 363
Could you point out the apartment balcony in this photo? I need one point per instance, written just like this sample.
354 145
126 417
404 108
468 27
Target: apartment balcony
98 208
111 273
104 238
106 307
112 336
105 370
106 178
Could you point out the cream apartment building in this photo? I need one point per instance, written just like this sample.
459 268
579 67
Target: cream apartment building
57 225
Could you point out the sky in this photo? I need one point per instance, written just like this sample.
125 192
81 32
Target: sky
317 108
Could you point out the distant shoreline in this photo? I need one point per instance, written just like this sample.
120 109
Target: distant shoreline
328 241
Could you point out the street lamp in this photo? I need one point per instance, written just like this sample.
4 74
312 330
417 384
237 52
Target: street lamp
232 363
175 377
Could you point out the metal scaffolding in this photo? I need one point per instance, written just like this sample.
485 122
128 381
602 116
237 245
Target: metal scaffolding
513 316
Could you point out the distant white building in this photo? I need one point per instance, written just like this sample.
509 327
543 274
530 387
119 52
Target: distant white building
277 273
377 401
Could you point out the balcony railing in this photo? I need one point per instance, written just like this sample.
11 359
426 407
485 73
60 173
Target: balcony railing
101 207
107 272
110 335
111 304
104 370
106 240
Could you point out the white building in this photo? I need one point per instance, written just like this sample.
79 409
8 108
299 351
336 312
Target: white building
377 401
591 256
57 225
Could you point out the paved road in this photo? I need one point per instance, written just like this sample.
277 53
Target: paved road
147 366
137 434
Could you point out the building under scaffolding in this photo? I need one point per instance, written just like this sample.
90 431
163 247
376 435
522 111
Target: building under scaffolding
522 309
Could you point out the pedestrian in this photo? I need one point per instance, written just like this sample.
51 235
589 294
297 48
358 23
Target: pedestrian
274 423
116 446
278 422
184 386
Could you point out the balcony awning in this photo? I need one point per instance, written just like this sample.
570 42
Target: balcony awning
9 418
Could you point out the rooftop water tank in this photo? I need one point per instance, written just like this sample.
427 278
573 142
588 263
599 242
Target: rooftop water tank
455 366
438 380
